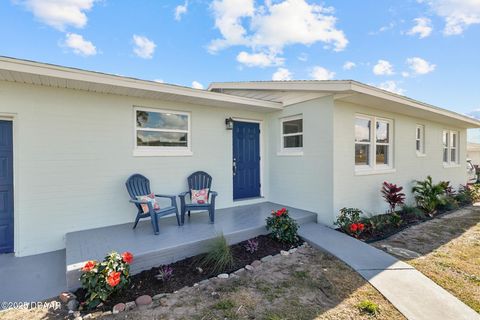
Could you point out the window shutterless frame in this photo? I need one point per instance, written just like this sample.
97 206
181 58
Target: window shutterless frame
290 150
420 139
380 139
450 148
159 150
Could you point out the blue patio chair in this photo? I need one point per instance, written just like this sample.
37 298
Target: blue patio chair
197 181
138 185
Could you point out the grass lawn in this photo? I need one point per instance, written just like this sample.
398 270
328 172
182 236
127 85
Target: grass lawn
450 252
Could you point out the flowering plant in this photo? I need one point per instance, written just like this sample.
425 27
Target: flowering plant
356 228
101 279
251 246
283 228
165 273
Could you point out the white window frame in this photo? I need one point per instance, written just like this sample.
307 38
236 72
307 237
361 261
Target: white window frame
161 150
290 151
420 140
373 168
450 148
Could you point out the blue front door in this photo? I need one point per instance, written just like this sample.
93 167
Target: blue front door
6 187
246 160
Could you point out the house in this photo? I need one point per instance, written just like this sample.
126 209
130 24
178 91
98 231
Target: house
473 152
70 138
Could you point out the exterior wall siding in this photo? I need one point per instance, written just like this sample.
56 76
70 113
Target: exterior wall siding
363 191
305 181
74 153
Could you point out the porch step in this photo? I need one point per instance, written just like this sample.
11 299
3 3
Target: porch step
173 243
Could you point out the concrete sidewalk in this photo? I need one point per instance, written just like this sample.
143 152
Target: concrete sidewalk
413 294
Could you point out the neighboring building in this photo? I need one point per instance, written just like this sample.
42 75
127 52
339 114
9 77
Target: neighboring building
473 153
70 138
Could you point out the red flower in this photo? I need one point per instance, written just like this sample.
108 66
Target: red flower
361 226
353 227
113 279
127 257
281 212
89 266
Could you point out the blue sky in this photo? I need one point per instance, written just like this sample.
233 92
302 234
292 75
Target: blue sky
426 49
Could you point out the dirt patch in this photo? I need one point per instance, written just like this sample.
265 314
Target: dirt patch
450 252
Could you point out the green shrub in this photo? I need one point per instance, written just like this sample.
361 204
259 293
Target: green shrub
412 211
219 257
102 279
347 217
282 227
468 194
369 307
225 304
429 195
395 219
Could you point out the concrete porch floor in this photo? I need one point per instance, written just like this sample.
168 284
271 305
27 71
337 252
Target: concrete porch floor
174 242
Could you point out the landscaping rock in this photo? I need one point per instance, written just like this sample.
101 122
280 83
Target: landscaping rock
267 258
401 252
130 305
293 250
215 295
249 267
204 282
284 253
256 263
223 276
199 270
107 313
72 305
143 302
234 276
159 296
240 272
66 296
119 307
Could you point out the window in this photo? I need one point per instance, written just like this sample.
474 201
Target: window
292 135
159 132
373 143
450 147
420 139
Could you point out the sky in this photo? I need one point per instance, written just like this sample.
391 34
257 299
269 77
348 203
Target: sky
428 50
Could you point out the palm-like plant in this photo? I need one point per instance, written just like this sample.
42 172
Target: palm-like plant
429 195
393 195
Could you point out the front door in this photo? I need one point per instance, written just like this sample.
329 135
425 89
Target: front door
6 187
246 160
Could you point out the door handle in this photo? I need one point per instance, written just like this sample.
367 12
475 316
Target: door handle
234 166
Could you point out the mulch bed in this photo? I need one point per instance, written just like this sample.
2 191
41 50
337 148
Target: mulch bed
185 272
408 220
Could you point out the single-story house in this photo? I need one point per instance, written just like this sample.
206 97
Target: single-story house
70 138
473 153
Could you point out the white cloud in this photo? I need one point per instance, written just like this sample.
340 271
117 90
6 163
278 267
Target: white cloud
423 27
274 25
180 10
420 66
320 73
282 74
79 45
383 67
303 57
349 65
259 59
60 13
144 47
391 86
197 85
458 14
382 29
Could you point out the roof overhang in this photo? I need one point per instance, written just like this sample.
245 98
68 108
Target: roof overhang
29 72
359 93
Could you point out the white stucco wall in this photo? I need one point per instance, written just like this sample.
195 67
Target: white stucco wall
74 152
305 181
363 191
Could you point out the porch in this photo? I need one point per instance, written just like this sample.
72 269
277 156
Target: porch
173 243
